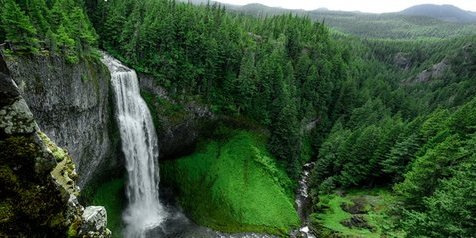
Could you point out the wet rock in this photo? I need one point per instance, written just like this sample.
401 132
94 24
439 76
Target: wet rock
94 223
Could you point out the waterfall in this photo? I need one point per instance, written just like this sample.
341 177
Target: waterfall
140 147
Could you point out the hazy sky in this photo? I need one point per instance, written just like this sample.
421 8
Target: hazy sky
376 6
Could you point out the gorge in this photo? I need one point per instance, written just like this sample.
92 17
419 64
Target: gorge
262 126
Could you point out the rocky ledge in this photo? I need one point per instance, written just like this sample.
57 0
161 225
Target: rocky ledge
37 178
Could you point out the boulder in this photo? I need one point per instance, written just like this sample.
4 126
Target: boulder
94 223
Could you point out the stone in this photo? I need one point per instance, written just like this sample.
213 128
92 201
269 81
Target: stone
94 223
357 221
19 113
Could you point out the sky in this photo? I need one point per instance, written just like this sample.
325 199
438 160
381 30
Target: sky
374 6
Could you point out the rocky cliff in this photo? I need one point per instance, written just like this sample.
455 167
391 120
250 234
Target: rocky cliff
179 125
37 178
72 105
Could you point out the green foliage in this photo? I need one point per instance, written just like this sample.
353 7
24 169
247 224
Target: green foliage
58 26
18 28
449 212
234 185
368 25
402 132
375 111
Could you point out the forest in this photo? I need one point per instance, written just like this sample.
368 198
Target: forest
390 119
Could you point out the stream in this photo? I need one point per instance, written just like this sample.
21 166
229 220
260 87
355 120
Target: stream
304 203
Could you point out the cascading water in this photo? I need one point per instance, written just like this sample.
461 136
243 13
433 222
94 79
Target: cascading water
140 147
303 202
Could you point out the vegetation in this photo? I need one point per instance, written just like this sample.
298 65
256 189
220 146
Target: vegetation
395 108
281 72
56 26
358 213
440 23
419 144
233 184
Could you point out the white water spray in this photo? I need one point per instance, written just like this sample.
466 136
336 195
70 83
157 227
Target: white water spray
140 147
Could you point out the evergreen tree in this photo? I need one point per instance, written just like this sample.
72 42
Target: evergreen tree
39 15
19 31
244 86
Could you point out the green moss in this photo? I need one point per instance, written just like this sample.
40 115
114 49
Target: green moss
111 196
95 71
58 153
234 185
6 212
8 178
17 147
150 100
73 229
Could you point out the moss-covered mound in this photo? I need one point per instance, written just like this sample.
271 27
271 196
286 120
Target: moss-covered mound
234 185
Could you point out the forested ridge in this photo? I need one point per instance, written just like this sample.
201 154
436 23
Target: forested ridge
282 72
40 27
373 113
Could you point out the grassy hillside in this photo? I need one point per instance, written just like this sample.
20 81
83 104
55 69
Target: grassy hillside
232 184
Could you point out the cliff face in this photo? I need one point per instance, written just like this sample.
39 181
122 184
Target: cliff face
37 178
178 125
72 105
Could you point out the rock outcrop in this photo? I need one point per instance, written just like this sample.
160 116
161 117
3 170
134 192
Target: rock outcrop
436 72
37 178
94 222
402 61
178 125
72 105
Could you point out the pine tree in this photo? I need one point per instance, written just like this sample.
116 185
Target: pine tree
244 86
81 28
39 15
66 44
19 31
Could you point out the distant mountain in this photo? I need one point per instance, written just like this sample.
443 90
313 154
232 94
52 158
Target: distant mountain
448 13
197 2
412 23
260 9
